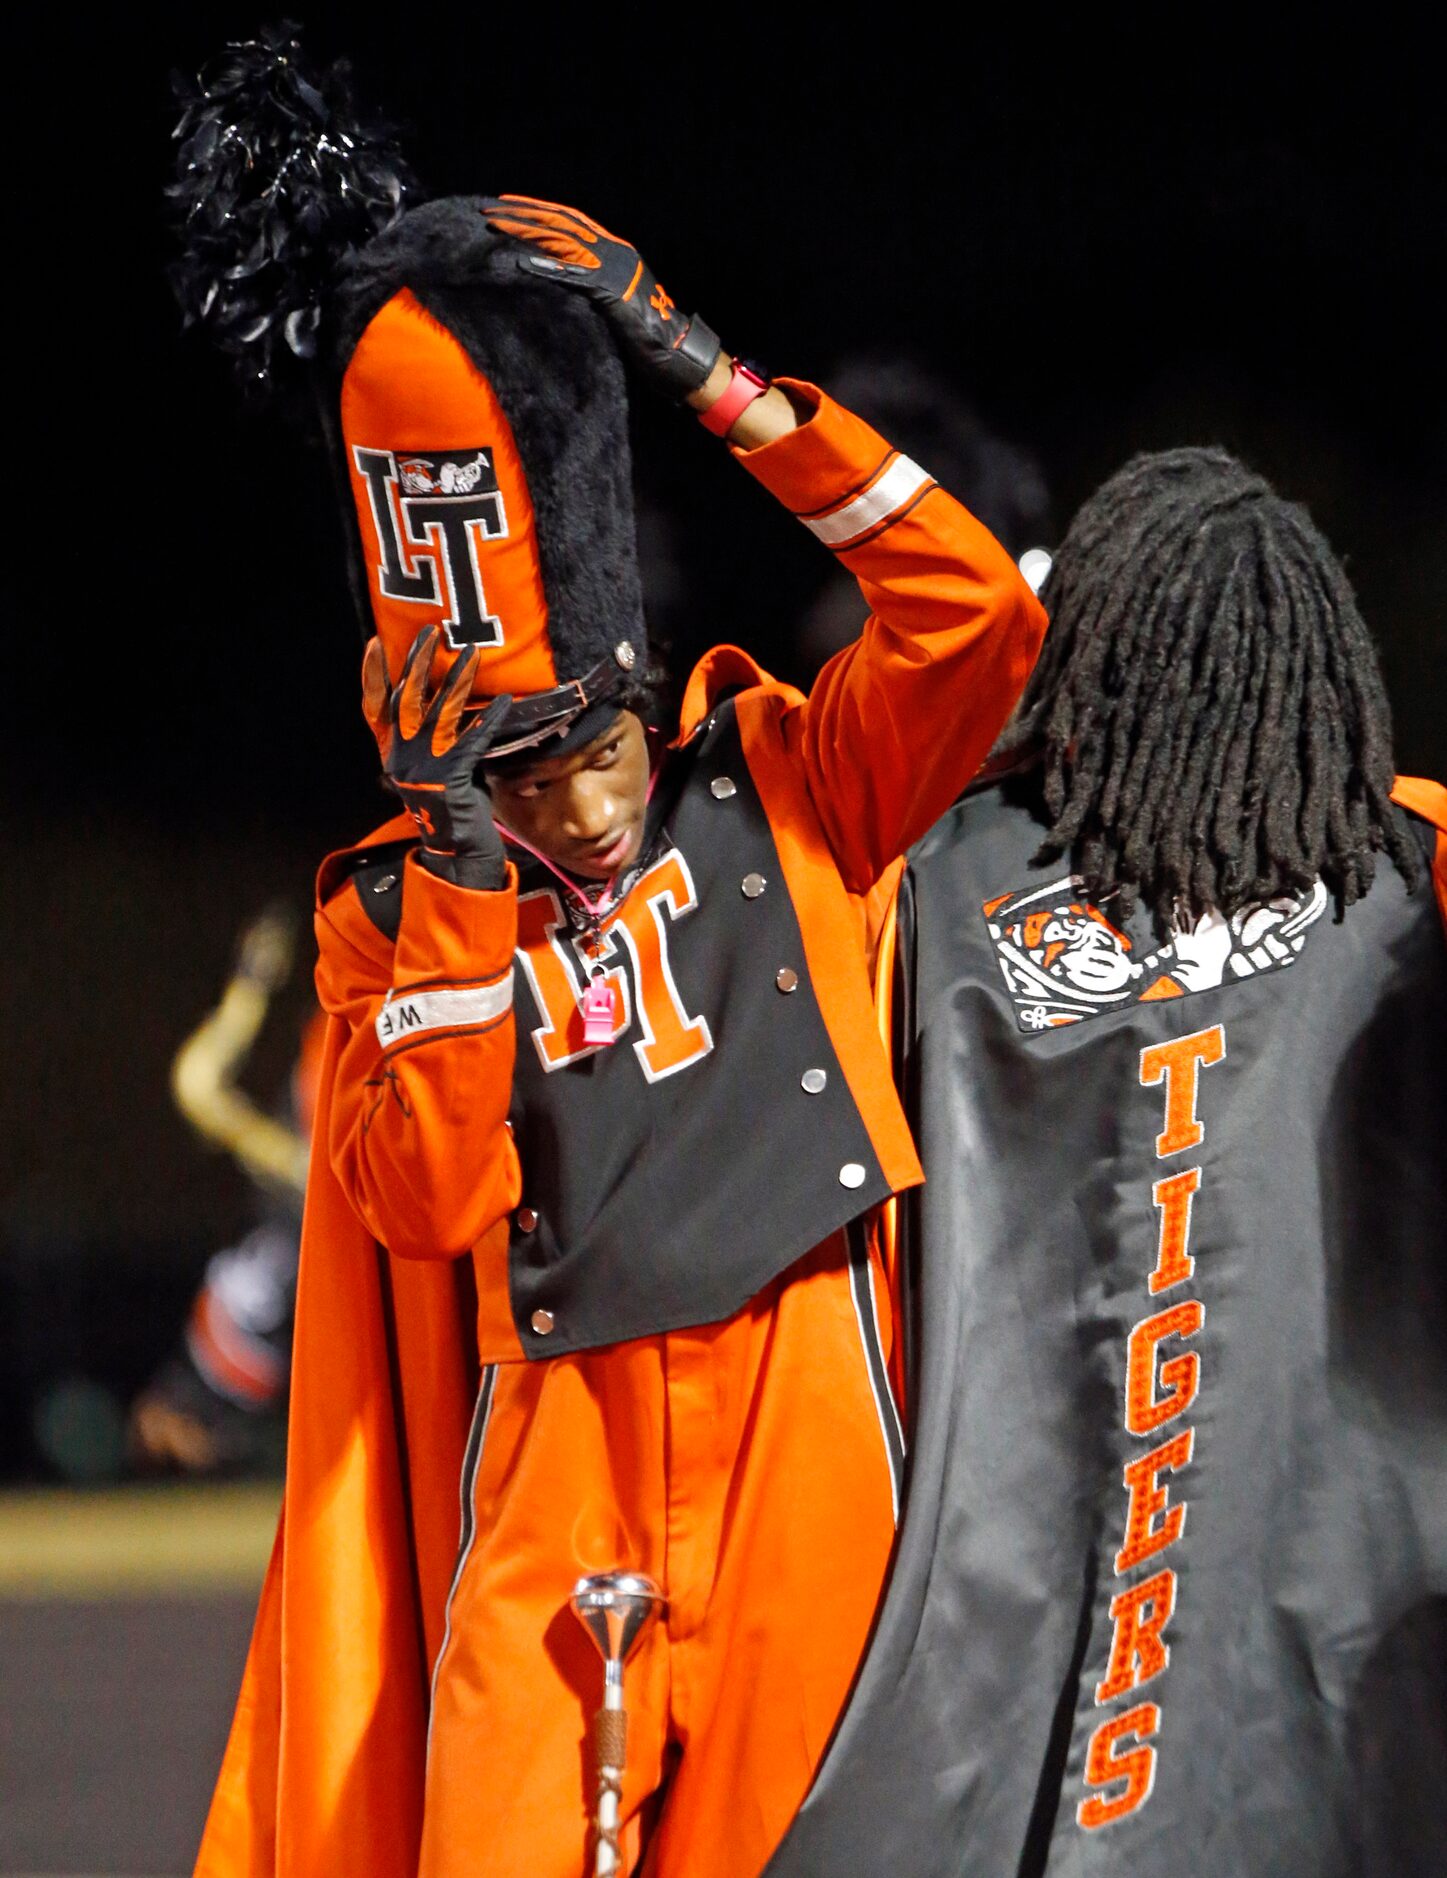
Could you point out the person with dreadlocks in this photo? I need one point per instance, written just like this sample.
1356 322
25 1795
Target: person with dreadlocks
605 1123
1211 723
1173 1016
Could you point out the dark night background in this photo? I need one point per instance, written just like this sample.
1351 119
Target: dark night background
1209 227
1108 240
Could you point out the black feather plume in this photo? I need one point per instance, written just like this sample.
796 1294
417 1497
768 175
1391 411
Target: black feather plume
277 178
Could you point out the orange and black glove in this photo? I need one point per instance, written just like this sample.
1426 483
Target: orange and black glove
565 245
432 764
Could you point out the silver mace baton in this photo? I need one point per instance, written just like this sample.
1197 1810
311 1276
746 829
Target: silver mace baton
615 1608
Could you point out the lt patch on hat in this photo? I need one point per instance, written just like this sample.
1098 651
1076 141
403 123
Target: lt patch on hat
483 428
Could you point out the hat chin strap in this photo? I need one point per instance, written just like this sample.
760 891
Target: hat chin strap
543 714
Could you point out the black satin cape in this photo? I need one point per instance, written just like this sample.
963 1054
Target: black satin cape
1303 1709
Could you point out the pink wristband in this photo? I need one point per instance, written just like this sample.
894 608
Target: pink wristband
739 393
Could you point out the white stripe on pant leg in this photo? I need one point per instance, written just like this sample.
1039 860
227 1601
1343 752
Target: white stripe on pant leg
891 1405
891 491
875 1369
467 1530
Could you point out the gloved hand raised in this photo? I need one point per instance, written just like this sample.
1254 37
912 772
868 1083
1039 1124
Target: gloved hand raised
433 768
565 245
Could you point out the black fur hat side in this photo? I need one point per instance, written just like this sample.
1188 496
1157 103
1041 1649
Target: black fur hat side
548 359
476 416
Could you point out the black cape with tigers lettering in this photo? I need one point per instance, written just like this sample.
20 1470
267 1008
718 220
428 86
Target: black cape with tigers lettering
1301 1713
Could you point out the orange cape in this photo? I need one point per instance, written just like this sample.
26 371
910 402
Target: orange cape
329 1779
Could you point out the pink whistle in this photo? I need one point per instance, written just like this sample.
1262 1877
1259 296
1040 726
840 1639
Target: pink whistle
598 1012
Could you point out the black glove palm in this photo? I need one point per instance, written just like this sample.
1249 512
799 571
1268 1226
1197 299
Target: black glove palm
433 768
565 245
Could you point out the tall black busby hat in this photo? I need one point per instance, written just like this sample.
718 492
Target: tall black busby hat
483 423
478 416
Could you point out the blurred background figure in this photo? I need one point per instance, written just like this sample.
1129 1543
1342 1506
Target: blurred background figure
125 1605
217 1403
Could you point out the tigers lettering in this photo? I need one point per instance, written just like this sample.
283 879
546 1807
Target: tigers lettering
1159 1389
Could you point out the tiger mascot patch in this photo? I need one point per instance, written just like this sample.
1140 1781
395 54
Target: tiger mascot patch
1064 959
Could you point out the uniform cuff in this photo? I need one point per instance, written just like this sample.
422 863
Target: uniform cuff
834 473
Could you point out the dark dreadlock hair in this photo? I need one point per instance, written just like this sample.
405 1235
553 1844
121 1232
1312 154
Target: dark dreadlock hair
647 689
1208 704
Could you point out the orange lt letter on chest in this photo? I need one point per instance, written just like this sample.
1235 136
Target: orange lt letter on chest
557 966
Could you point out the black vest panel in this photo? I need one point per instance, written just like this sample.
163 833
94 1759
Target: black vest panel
665 1202
1294 1719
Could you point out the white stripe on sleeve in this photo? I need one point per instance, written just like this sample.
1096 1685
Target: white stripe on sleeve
900 480
411 1012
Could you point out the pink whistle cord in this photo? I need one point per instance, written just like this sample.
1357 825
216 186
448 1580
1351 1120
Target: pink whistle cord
599 1012
597 907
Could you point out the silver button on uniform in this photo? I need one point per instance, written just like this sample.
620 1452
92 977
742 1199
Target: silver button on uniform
385 884
722 787
786 978
752 885
811 1082
851 1174
527 1219
542 1321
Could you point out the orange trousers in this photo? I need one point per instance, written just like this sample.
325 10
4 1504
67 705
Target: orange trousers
750 1467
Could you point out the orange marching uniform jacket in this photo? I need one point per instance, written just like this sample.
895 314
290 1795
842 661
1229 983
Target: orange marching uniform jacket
421 1240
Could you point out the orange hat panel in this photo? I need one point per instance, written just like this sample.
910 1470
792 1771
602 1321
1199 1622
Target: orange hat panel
447 528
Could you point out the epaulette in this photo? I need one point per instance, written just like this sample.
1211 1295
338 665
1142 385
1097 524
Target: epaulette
376 874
